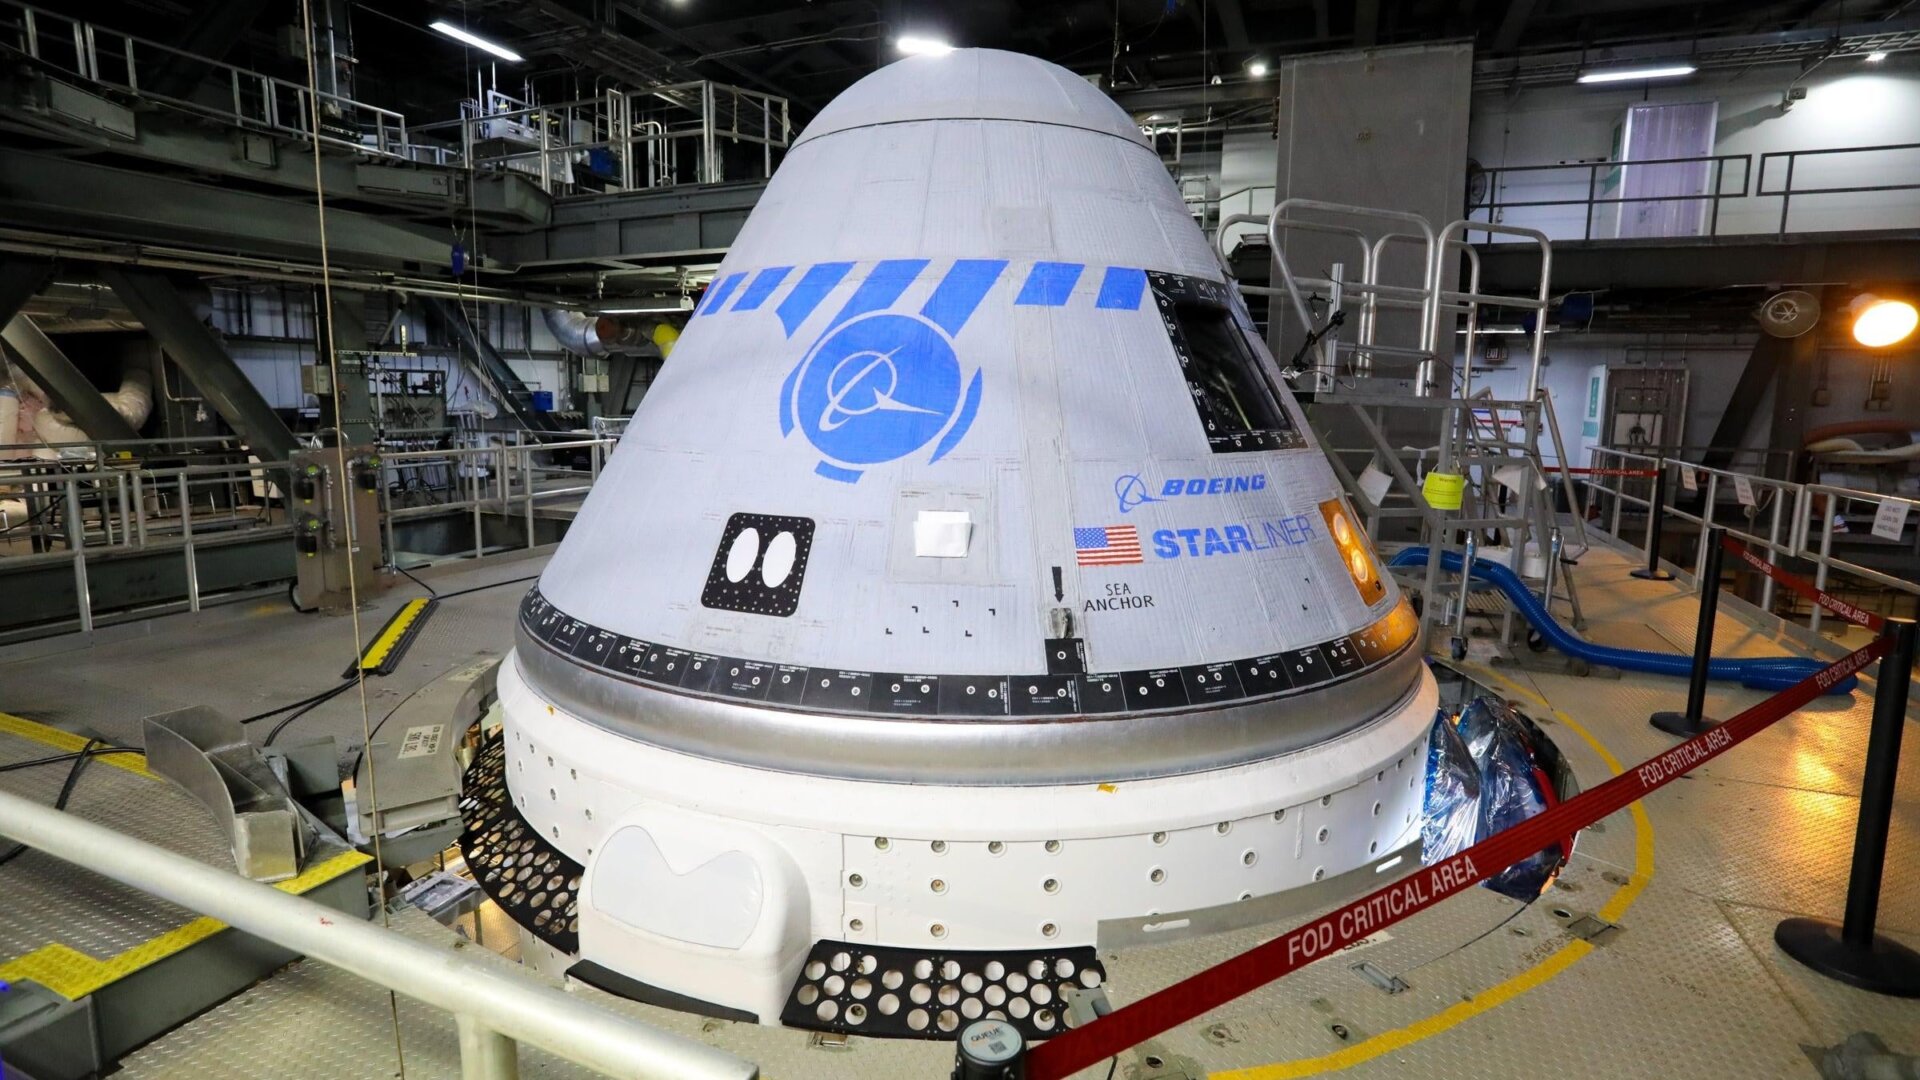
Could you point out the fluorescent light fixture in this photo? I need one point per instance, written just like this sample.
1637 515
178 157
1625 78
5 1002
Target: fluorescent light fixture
677 309
475 40
1669 71
1257 68
922 46
1876 56
1879 322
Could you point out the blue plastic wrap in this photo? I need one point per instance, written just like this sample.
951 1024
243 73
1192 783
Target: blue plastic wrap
1513 788
1450 817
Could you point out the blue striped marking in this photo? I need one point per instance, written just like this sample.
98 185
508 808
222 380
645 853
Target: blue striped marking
815 284
762 287
960 292
717 294
1121 288
884 284
1049 284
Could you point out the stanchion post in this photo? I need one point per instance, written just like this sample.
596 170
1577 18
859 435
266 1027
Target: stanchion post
1851 951
1694 721
1656 513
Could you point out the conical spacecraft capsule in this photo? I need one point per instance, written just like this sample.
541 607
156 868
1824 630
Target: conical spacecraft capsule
968 578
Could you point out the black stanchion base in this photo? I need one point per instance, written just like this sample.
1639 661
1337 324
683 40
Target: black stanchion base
1678 723
1883 967
1645 574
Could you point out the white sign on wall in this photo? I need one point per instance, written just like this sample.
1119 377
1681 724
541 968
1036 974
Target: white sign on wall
1890 521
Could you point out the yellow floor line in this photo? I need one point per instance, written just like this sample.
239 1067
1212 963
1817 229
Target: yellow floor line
73 974
1562 959
67 741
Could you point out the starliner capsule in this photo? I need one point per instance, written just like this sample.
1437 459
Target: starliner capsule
968 580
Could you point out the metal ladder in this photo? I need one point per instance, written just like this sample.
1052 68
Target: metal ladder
1340 372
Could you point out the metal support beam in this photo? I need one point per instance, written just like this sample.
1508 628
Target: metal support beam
20 280
1769 356
452 320
1513 24
190 344
66 386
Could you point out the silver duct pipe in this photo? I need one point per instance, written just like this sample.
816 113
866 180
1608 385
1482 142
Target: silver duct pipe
602 335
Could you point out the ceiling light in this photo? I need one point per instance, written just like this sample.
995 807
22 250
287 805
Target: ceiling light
476 41
1257 68
1876 56
1879 322
1670 71
922 46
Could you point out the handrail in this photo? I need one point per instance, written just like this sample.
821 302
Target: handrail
1753 184
1789 528
493 1006
1787 192
256 99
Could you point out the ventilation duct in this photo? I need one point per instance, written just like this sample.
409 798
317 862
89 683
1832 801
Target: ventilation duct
603 335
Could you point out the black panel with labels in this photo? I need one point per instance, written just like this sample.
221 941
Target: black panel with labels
1056 693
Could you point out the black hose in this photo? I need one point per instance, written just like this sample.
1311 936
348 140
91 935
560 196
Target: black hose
80 759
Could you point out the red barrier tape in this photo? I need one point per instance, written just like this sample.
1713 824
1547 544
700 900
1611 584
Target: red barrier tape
1804 587
1609 472
1220 984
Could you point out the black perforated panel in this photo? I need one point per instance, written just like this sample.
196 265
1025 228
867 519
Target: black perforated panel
910 994
762 587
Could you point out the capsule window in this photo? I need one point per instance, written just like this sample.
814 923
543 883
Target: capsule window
1238 405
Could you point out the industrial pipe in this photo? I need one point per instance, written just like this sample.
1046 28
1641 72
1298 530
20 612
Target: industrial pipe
481 992
602 335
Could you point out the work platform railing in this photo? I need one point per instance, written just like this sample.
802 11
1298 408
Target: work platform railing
245 99
1731 194
1778 519
1493 481
78 513
622 140
494 1006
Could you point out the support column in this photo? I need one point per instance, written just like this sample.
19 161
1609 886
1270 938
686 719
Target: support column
172 322
70 390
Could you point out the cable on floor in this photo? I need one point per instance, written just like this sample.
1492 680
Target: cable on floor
80 759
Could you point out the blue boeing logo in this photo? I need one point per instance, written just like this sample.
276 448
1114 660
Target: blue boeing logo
880 385
879 388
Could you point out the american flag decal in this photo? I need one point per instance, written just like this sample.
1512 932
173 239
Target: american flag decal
1109 545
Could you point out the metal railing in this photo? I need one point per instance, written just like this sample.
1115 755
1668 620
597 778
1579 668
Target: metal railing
75 514
119 510
249 99
1787 191
492 478
493 1006
1715 193
1790 511
659 137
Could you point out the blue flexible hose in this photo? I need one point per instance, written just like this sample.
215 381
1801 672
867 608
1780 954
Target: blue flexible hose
1760 673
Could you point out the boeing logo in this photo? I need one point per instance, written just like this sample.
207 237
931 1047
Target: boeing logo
880 384
868 379
1132 492
877 389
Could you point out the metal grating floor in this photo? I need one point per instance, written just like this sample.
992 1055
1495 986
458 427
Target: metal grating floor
1694 879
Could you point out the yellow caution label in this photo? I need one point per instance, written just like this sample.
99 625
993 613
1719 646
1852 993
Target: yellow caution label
1443 491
